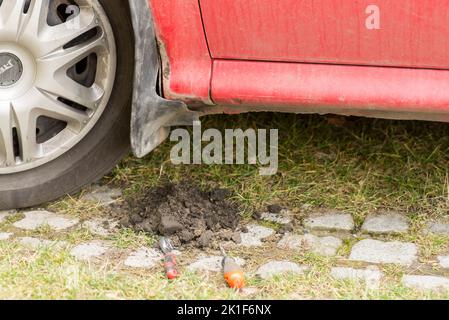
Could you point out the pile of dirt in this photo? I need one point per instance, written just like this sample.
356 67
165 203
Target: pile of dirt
186 214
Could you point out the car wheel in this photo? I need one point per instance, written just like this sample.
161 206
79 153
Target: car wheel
66 74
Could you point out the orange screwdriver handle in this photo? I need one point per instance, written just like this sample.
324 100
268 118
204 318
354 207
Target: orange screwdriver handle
170 266
235 280
233 274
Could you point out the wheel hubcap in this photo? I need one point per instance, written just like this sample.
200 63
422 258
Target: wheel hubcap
57 69
11 69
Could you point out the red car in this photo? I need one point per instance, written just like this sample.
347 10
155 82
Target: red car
81 79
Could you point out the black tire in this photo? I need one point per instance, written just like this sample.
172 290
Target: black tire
102 148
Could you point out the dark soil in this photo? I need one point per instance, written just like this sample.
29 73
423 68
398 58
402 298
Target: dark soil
186 214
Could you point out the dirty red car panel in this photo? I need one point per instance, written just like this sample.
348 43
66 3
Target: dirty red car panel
410 33
347 90
183 47
324 56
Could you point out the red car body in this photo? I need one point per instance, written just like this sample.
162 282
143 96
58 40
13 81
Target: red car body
381 58
140 67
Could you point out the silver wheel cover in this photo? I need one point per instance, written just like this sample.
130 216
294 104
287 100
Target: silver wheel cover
57 70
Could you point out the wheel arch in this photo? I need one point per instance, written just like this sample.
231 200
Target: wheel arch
152 115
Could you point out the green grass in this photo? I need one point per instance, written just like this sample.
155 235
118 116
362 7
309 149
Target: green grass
127 238
49 274
359 167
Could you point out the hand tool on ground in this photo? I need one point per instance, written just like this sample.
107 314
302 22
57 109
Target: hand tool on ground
233 273
169 258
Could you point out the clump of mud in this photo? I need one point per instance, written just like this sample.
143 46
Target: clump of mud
186 214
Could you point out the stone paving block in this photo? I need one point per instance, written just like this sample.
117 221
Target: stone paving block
103 195
332 221
89 250
249 291
5 214
255 235
386 223
438 228
426 283
274 268
36 219
279 218
326 246
210 264
375 251
36 243
444 261
101 226
5 235
111 295
371 275
145 258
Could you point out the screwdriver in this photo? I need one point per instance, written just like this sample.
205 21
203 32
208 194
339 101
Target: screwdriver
169 258
233 273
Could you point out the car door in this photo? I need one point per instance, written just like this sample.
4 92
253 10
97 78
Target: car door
402 33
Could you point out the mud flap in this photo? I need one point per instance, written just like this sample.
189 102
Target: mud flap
152 116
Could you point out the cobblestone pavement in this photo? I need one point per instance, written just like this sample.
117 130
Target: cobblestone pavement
359 250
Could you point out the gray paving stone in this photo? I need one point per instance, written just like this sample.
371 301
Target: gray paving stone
249 291
103 195
371 275
444 261
5 235
375 251
5 214
36 219
387 223
101 226
89 250
279 218
274 268
438 228
145 258
210 264
332 221
35 243
326 246
114 296
426 283
255 235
